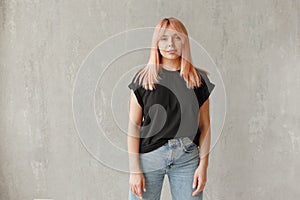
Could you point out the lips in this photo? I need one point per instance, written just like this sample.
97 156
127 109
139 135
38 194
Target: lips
171 51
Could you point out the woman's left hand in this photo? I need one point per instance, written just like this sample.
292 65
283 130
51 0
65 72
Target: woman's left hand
199 180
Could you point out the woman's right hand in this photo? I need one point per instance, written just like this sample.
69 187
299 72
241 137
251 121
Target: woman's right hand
137 184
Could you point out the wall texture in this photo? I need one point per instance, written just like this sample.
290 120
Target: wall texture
255 44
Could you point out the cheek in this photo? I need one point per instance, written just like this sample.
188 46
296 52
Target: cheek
161 45
180 46
161 49
178 43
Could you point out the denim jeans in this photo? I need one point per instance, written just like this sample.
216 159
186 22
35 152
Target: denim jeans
178 158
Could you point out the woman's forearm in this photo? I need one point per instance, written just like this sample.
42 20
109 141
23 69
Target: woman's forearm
133 142
204 145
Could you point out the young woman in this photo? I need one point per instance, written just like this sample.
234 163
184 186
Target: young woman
169 125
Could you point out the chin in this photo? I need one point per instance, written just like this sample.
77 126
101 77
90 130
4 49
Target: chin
171 57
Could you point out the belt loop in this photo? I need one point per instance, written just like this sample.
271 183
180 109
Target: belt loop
170 142
181 143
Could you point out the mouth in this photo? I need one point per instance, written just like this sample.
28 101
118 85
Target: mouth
171 51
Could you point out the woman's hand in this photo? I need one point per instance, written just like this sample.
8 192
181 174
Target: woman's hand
199 180
137 184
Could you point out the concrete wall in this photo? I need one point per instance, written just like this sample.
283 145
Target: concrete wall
255 44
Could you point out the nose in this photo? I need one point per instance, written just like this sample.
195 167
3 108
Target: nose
170 42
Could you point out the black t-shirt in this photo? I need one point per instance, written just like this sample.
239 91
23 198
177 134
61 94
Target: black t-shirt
171 110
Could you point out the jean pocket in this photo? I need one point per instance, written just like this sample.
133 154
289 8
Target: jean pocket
188 145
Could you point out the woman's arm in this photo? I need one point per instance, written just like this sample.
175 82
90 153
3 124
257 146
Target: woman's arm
204 126
133 138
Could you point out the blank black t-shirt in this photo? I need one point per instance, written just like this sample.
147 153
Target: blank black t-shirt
171 109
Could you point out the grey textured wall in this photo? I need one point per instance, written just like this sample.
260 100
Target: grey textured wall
255 44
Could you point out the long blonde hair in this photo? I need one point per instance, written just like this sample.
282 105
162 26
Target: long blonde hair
148 75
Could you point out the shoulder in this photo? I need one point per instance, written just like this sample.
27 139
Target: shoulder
206 87
205 80
136 80
203 74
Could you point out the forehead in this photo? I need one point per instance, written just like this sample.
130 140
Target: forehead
170 32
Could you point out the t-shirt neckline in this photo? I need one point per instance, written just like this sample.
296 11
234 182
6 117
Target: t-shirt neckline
172 71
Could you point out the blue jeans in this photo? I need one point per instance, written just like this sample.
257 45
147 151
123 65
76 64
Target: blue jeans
178 158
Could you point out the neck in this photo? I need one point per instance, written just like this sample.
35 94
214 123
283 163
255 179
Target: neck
173 64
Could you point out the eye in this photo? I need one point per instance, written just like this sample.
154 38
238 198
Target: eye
178 38
163 39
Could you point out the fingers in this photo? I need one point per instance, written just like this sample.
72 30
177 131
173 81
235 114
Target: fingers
137 188
144 185
139 191
195 181
200 187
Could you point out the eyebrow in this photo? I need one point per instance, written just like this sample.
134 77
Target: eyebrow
175 34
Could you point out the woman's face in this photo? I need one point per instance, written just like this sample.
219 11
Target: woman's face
170 44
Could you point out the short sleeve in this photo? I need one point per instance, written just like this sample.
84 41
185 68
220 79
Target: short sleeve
134 85
206 88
